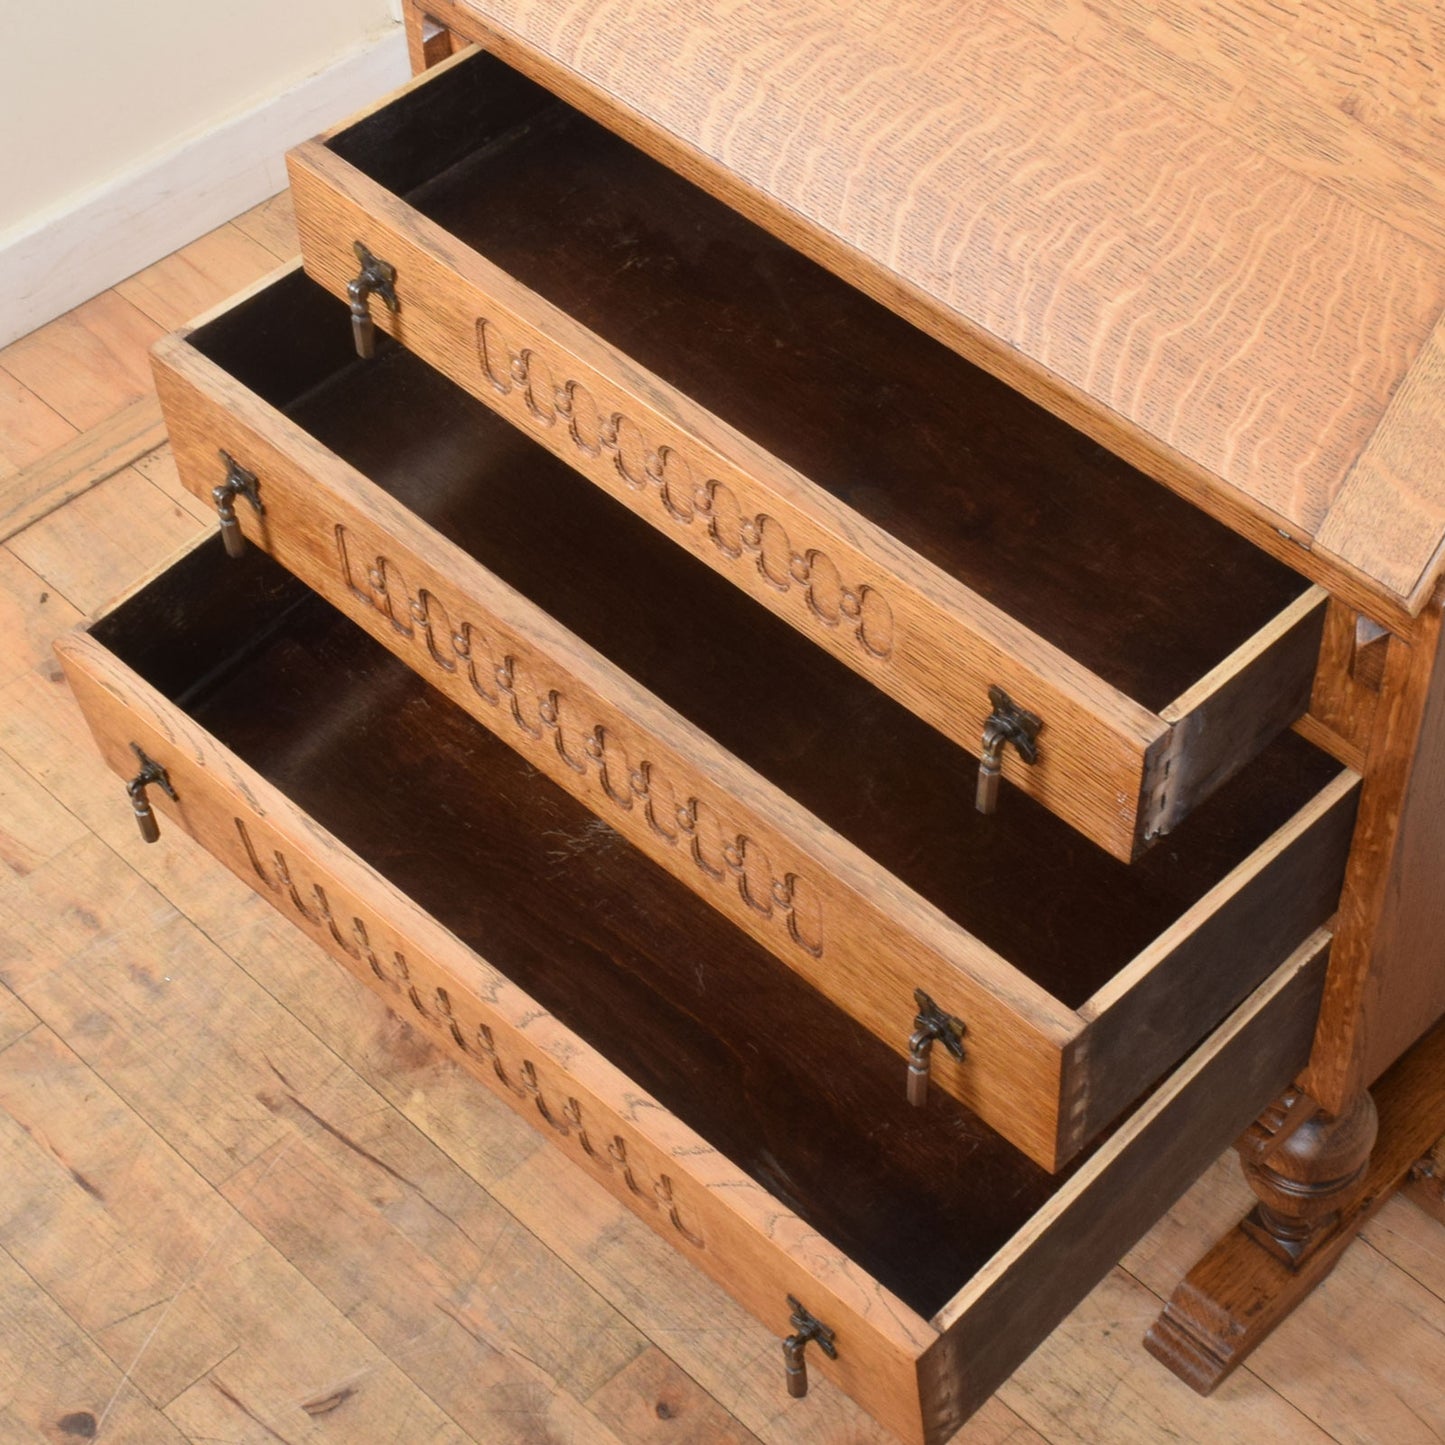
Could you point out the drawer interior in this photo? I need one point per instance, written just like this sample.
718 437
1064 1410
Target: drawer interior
1060 909
768 1071
1084 550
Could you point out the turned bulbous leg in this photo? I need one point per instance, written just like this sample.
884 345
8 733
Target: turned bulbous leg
1319 1178
1305 1166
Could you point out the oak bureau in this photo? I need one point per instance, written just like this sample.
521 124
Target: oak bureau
843 602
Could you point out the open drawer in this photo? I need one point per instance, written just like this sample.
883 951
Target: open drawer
675 1061
827 821
928 526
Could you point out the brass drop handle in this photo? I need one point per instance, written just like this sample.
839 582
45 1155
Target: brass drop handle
930 1026
239 483
151 773
1007 723
806 1330
376 278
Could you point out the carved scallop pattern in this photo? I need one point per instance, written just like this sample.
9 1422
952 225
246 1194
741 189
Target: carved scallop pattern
520 1078
546 718
526 386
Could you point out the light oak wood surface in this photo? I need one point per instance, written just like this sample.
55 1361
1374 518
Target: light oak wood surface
1174 247
724 1222
945 644
1387 984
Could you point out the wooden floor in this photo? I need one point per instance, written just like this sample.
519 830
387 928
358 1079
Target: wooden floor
241 1202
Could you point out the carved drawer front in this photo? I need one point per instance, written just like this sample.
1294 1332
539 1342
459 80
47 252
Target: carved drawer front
673 1060
1004 959
940 535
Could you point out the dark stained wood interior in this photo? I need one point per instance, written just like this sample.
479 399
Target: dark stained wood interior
1088 552
1054 904
789 1088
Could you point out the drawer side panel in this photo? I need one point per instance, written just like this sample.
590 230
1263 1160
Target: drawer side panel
1217 952
1232 714
989 1328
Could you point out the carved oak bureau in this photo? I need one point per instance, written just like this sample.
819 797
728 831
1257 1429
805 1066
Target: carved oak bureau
842 602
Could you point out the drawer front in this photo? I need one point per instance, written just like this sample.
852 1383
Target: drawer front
671 1178
921 1378
1112 768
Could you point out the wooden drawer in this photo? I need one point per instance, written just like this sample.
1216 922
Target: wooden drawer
926 525
670 1057
828 822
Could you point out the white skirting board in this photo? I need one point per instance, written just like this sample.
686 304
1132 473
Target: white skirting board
113 231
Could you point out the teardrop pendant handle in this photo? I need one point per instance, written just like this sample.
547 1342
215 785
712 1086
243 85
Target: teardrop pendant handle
151 774
238 483
376 278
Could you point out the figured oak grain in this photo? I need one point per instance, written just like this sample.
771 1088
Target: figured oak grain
947 645
1228 320
1386 986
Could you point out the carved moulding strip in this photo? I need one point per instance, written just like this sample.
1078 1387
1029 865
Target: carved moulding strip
676 474
519 1078
542 717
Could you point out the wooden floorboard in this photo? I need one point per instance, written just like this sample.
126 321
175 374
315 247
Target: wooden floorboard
196 277
86 365
240 1200
29 430
93 456
273 224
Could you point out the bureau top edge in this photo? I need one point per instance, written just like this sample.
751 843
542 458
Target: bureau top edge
1250 308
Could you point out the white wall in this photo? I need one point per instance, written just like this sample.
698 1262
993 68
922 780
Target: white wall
98 99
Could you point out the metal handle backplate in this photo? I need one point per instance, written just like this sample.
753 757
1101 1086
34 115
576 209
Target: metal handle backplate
930 1026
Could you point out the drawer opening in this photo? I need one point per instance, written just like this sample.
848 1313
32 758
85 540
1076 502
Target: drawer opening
1065 913
705 1020
1087 552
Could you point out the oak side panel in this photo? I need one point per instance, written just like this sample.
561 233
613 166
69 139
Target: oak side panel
1123 1189
1387 976
814 900
1342 704
897 620
427 43
715 1215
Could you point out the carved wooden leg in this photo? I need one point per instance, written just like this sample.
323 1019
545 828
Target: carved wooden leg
1318 1182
